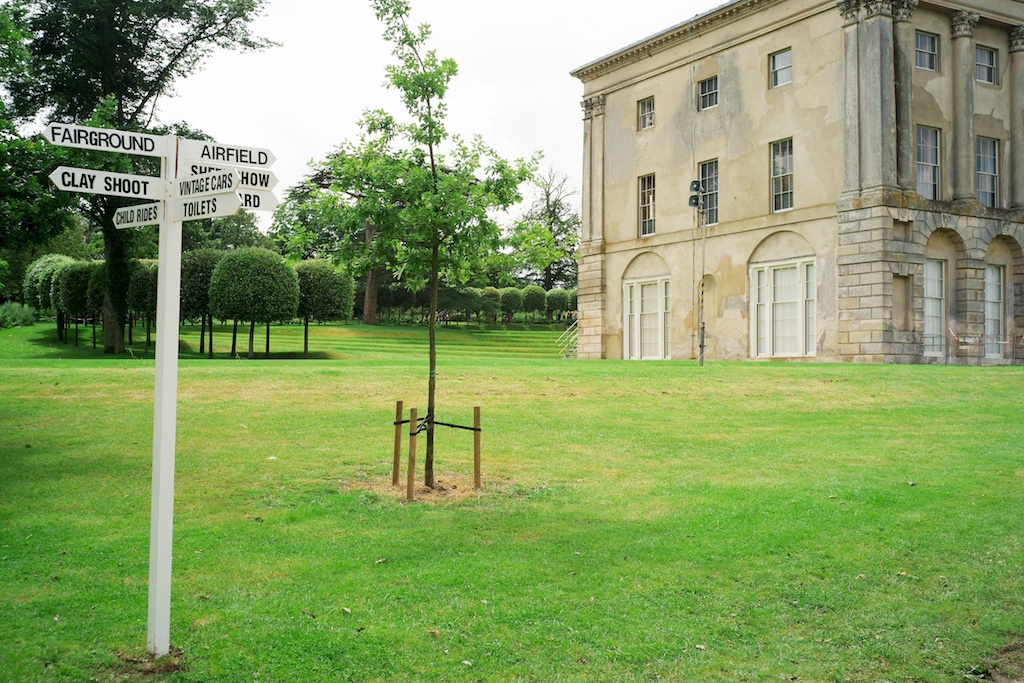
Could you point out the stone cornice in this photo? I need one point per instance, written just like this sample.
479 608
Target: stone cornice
671 37
964 23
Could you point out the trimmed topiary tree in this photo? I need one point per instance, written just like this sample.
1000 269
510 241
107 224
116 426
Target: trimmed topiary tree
491 304
511 301
557 303
571 308
254 285
196 271
142 294
535 299
38 286
324 294
74 291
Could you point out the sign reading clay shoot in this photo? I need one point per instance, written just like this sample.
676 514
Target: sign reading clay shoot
207 194
104 182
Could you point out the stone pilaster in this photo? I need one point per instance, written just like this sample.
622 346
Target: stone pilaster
964 161
850 10
1017 116
906 167
877 98
592 295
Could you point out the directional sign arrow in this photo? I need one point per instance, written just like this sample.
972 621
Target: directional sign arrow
214 153
257 200
139 215
249 177
103 182
215 182
210 206
106 139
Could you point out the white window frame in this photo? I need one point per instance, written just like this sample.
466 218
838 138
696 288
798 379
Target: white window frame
986 64
645 113
929 162
645 204
780 68
782 176
709 181
995 310
640 339
935 326
926 56
988 171
765 335
708 93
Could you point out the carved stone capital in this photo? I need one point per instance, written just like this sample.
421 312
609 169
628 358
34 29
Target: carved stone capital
849 9
964 23
878 7
593 106
1017 39
903 9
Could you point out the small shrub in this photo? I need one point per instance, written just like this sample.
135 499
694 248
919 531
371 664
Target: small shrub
13 314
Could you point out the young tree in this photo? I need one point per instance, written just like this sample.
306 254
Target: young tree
511 301
428 193
108 63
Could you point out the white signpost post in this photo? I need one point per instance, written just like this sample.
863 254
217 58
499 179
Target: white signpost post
211 193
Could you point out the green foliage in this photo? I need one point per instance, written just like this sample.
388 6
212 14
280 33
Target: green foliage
544 240
490 304
5 272
13 314
230 232
142 289
38 283
254 285
196 272
74 288
511 300
97 286
534 299
557 301
324 293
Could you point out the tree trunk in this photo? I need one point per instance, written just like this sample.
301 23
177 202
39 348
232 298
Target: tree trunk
234 339
76 332
305 339
131 328
372 279
428 460
94 316
115 299
149 329
211 336
252 336
202 335
267 354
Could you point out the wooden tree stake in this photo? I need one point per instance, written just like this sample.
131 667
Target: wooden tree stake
412 455
397 462
476 447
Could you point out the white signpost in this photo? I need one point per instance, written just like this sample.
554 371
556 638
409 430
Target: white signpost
208 194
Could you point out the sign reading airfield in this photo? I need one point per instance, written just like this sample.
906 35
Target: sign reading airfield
215 153
104 182
204 195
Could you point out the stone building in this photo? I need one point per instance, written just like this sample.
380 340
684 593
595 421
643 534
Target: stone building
862 171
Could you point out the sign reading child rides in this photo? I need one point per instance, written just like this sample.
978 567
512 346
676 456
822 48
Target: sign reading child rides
207 194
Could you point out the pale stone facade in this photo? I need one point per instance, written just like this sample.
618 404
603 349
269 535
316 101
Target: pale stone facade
863 168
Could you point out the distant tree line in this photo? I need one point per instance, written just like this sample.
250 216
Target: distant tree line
249 285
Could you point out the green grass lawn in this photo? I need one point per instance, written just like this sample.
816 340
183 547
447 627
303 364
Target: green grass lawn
638 521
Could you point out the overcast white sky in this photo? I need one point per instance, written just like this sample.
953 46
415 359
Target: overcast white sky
301 100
